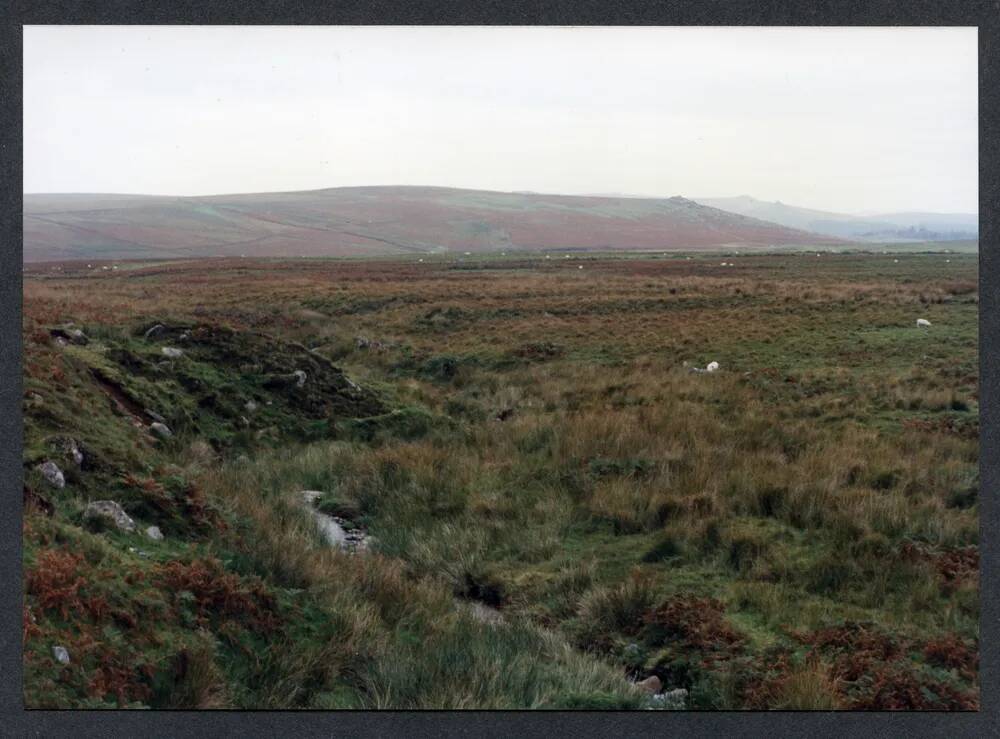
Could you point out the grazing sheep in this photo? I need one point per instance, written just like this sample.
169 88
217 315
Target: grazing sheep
923 322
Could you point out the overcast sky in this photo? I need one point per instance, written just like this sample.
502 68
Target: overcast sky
857 120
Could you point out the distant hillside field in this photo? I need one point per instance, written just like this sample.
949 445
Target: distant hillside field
379 221
887 228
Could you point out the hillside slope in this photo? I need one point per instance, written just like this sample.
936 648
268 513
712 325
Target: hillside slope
888 227
377 221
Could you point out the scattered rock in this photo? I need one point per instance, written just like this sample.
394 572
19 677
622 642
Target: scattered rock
74 335
250 406
651 685
154 331
111 511
171 353
671 700
75 453
154 533
52 474
161 430
61 655
277 382
60 341
712 367
154 415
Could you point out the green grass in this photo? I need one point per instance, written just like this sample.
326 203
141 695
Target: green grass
527 438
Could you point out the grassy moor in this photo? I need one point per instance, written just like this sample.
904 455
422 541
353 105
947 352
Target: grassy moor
543 497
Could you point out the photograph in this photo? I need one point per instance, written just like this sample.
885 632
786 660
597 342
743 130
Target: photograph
500 368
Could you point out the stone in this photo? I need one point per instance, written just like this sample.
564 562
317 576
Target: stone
75 453
61 655
154 331
250 406
671 700
154 533
111 511
171 353
300 377
161 430
52 474
154 415
651 685
66 333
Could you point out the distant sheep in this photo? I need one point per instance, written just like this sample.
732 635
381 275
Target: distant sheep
923 322
712 366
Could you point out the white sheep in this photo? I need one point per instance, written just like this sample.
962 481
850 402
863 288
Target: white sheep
923 322
712 366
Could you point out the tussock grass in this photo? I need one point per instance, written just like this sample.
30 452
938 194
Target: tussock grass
544 450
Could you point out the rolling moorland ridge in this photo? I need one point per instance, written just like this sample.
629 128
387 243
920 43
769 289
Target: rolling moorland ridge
503 481
888 227
379 221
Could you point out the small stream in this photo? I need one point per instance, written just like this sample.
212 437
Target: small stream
332 527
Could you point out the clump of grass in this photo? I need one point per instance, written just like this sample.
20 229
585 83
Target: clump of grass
809 687
607 610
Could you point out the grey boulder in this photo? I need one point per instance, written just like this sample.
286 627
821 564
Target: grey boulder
52 474
111 511
161 430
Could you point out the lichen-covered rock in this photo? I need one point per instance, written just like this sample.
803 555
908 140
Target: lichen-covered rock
154 533
171 353
111 511
671 700
161 430
52 474
61 655
153 331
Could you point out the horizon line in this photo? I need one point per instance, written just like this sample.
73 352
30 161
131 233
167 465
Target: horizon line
621 196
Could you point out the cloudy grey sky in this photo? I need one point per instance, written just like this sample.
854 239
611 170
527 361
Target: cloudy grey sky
860 120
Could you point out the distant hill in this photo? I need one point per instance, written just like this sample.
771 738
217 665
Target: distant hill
379 221
888 227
